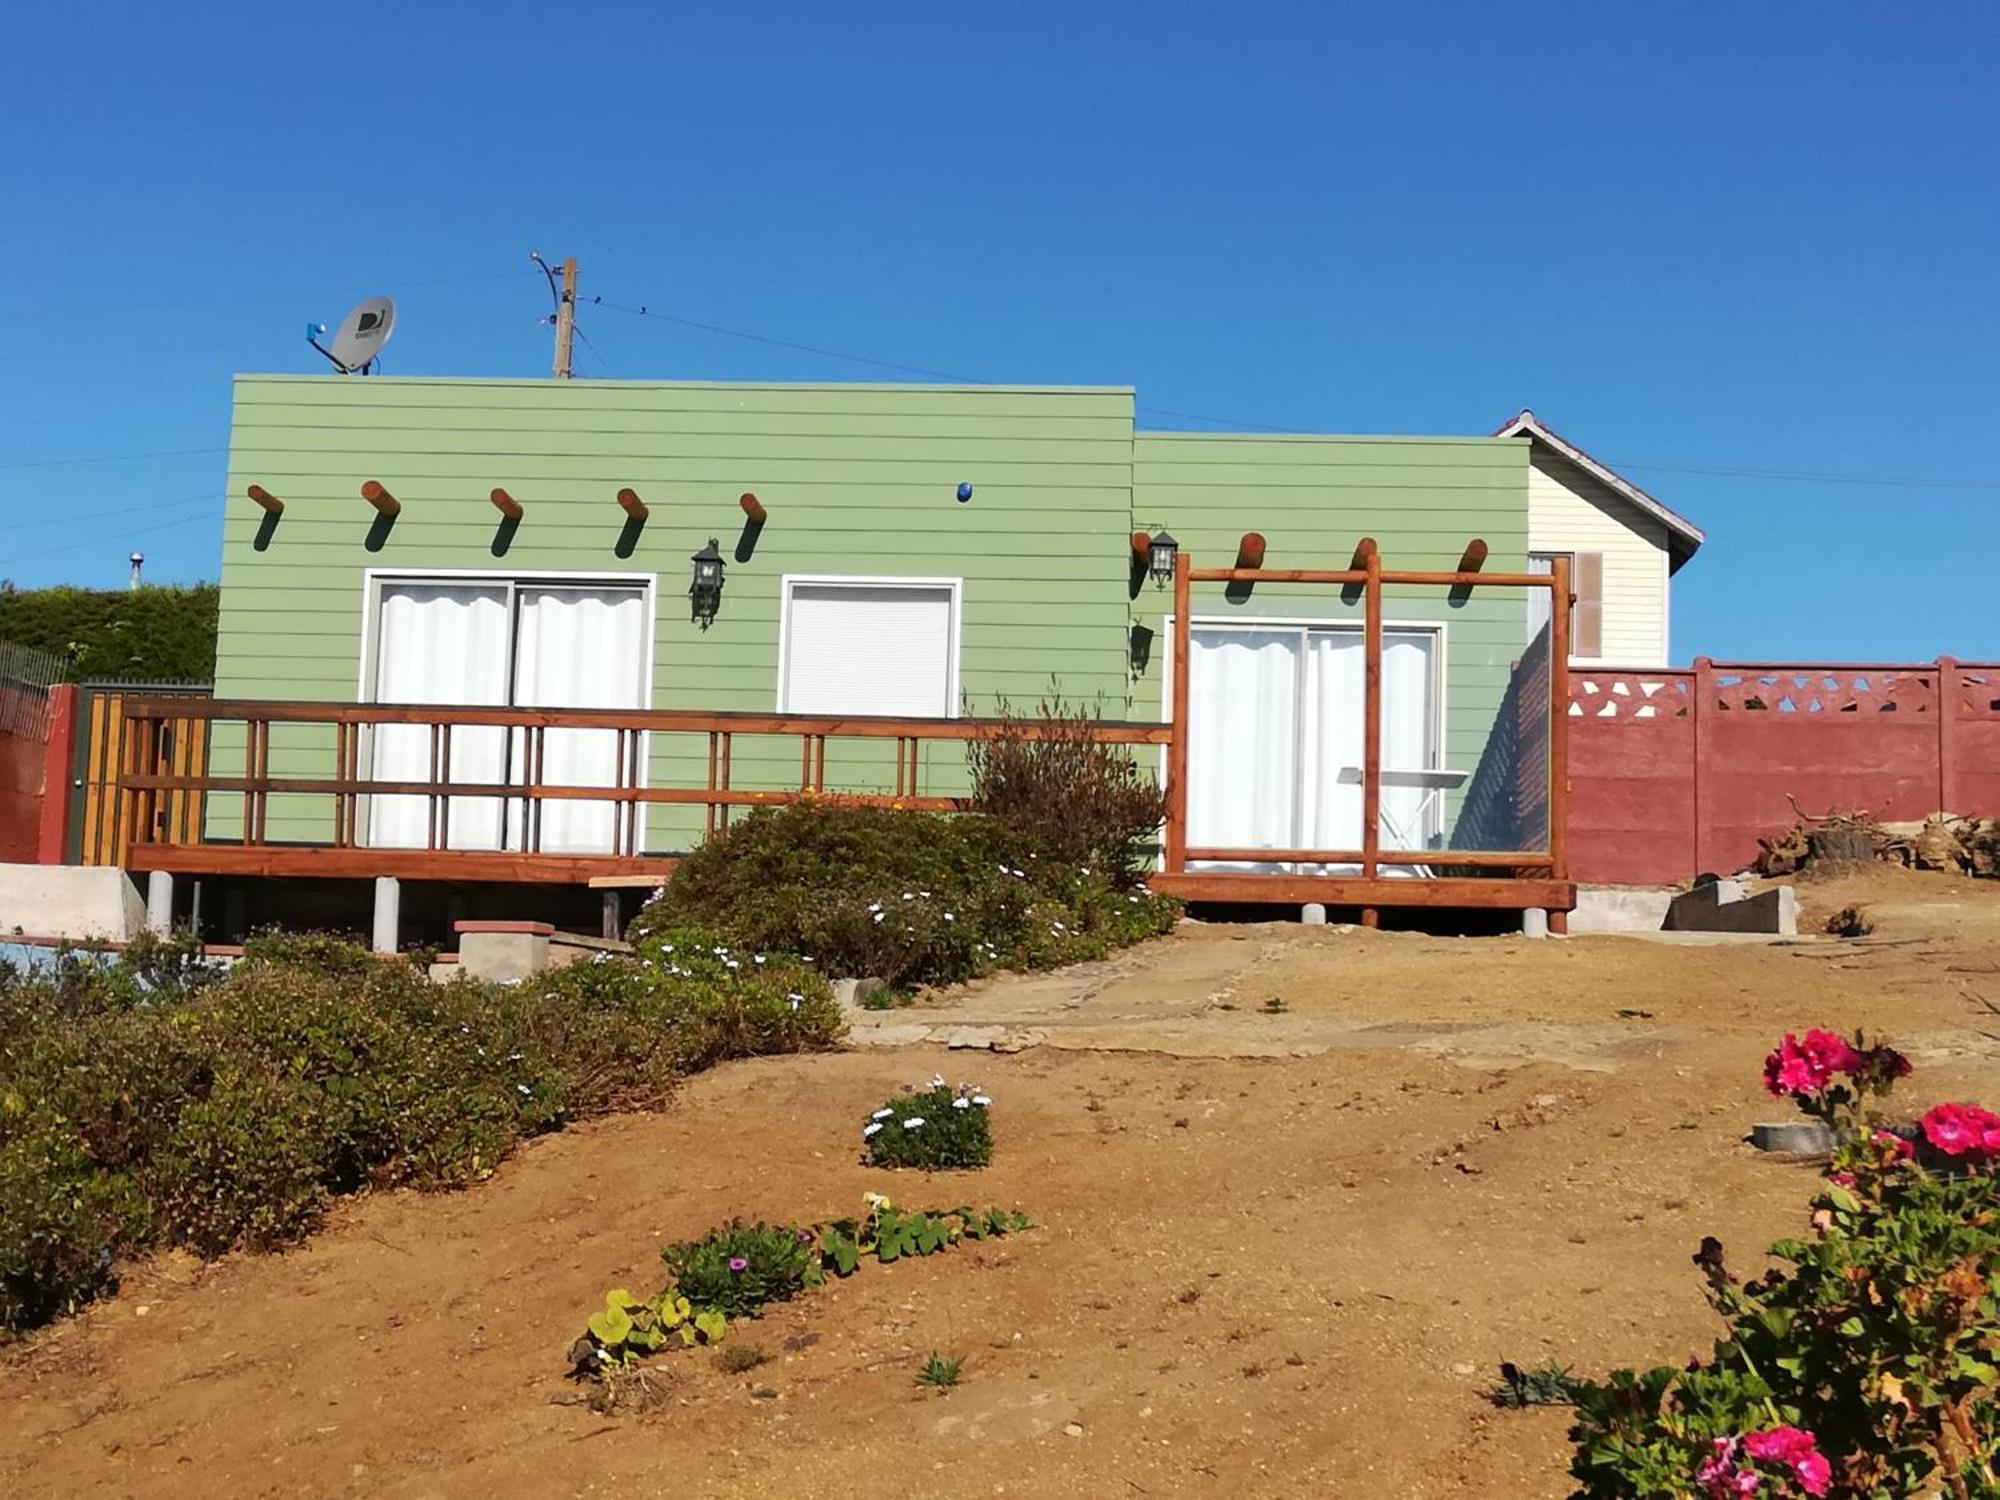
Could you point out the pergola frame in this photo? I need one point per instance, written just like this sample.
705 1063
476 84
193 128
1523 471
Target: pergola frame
1521 880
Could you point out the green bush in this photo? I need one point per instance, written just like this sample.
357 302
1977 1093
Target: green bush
939 1129
148 1102
910 898
1081 802
740 1268
155 634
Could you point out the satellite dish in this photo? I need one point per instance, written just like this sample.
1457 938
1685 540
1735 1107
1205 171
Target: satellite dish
362 334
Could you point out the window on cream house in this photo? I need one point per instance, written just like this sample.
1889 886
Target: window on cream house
1586 616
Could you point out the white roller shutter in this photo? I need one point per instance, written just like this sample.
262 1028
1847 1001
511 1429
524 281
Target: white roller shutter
869 648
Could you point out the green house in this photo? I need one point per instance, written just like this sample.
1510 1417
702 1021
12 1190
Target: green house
924 551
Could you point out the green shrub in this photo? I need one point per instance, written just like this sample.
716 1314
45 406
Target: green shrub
146 1101
740 1268
1082 803
63 1223
157 634
247 1164
910 898
938 1129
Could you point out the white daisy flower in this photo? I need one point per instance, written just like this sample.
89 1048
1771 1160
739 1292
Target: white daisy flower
981 1100
913 1122
523 1089
881 1114
868 1130
961 1104
925 894
937 1080
949 917
908 897
759 958
879 916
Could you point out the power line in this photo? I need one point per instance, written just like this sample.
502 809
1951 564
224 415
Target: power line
104 515
110 458
100 541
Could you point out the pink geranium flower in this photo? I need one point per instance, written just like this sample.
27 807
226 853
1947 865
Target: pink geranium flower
1806 1067
1899 1148
1796 1450
1721 1478
1963 1130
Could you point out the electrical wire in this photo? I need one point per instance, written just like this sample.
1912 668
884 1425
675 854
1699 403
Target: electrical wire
97 541
104 515
110 458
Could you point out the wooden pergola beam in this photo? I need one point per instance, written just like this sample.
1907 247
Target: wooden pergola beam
1142 547
270 502
377 494
1363 550
506 504
1473 558
754 509
1250 550
632 505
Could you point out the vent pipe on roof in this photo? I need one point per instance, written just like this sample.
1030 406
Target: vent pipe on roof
138 562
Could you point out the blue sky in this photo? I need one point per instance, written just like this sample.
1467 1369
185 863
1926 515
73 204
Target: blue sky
1698 239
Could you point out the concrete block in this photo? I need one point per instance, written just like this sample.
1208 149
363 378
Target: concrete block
503 952
1793 1136
388 932
1620 908
76 902
1534 923
852 993
1312 914
1775 912
160 902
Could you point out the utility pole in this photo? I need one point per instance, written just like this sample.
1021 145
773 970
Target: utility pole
566 318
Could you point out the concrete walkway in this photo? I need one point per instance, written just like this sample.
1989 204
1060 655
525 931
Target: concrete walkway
1176 996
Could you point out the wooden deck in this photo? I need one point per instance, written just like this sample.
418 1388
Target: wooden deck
154 814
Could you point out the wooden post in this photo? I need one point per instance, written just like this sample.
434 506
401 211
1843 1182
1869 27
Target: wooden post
1371 732
377 495
1949 696
507 505
753 508
1250 550
1177 747
566 319
271 504
632 505
52 835
1559 602
1704 696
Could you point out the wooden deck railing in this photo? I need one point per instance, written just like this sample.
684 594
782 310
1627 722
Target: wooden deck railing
166 820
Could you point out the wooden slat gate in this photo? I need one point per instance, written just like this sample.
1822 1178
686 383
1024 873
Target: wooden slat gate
103 826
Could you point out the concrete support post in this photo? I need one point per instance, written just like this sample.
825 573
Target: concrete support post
1312 914
160 902
1534 923
388 913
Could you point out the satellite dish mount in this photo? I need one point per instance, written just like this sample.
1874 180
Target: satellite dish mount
362 334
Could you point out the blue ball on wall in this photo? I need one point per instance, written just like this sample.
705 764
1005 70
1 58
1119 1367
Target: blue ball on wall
964 493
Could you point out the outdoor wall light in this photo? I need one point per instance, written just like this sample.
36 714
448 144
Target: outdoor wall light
705 592
1160 557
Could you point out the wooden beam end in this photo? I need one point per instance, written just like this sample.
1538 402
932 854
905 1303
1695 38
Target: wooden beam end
377 495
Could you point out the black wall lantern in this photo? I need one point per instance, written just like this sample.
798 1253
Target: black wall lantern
1160 557
706 590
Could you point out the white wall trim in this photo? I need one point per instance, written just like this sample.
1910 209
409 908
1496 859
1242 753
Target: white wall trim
954 587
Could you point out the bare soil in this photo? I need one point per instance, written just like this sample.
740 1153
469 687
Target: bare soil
1282 1250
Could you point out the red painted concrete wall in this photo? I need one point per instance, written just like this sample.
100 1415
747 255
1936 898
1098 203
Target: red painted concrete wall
22 751
1672 773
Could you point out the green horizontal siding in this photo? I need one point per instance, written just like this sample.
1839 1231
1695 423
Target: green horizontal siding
857 480
1312 499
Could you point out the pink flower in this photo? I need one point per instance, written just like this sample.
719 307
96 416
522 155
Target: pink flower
1841 1179
1963 1130
1806 1067
1719 1476
1796 1450
1899 1149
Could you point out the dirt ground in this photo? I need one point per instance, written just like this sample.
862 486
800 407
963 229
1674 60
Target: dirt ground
1281 1252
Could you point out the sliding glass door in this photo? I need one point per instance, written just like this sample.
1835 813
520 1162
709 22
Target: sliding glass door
1275 740
508 643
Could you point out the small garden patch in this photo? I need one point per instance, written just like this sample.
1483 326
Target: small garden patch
939 1129
738 1270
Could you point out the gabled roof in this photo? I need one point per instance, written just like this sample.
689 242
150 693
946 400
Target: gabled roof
1683 536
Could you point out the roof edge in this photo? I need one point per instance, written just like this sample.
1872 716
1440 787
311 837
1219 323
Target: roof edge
1689 535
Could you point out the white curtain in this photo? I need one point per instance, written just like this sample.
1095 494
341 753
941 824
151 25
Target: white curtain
439 643
1243 740
578 648
1275 739
1333 742
1409 740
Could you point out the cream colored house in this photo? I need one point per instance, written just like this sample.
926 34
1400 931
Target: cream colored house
1623 544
